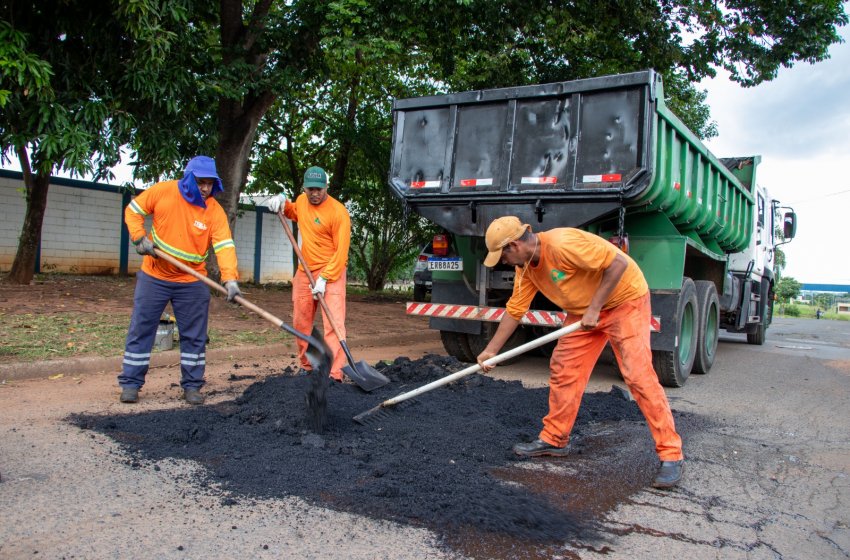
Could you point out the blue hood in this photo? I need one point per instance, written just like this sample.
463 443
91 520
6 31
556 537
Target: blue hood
199 167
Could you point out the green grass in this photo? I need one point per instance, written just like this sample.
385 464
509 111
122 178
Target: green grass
30 336
35 337
809 312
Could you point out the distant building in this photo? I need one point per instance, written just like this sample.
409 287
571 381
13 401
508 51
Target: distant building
824 288
843 308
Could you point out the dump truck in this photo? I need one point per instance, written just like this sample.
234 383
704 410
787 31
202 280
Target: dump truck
605 155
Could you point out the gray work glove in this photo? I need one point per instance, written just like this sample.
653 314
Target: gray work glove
144 246
232 290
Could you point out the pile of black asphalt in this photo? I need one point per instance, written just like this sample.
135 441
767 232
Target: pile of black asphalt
434 463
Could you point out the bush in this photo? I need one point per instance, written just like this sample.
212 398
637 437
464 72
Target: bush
792 311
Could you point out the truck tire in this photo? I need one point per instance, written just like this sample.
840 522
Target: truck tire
457 345
477 342
709 326
674 367
420 291
759 333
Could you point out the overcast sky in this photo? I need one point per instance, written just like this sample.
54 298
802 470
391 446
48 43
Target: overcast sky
800 124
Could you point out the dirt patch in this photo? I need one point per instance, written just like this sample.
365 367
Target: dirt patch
842 365
443 462
371 319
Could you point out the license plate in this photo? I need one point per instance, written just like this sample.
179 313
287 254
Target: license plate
445 264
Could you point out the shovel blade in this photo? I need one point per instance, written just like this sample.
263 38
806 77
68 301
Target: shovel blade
365 376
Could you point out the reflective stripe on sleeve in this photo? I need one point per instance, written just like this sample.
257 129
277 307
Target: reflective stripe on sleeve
136 208
223 245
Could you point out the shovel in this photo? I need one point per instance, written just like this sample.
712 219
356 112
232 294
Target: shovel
385 407
365 376
318 352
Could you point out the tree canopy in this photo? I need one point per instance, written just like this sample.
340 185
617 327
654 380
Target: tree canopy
270 88
787 289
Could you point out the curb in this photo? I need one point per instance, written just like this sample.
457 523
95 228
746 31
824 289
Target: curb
112 364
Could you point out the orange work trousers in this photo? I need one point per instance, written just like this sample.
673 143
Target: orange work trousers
627 328
304 314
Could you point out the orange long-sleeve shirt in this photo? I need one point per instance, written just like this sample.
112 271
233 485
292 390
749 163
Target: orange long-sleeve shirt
182 230
569 272
325 234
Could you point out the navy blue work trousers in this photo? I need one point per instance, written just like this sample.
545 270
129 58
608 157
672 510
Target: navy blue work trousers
191 304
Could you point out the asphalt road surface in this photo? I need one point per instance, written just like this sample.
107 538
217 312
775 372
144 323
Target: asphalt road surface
768 477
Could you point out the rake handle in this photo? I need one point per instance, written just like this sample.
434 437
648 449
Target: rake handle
489 362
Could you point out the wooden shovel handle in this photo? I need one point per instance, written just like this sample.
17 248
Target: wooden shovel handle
216 286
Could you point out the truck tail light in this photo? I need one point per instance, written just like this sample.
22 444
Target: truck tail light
440 245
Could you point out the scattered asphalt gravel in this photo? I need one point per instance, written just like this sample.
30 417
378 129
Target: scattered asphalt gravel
438 463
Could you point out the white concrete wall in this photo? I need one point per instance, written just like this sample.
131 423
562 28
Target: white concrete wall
81 230
277 254
81 234
12 208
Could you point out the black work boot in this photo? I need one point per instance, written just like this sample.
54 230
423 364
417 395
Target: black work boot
129 394
193 396
539 448
669 474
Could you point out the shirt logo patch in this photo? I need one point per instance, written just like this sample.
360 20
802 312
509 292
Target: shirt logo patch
200 225
557 275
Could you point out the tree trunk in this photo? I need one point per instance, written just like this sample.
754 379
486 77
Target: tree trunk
23 267
237 127
344 154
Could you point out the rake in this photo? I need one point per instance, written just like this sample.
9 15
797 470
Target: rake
383 410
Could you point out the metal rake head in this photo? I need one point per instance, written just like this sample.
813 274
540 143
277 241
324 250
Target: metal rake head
381 412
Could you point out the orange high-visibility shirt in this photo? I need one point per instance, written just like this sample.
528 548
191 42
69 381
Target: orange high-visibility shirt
569 272
182 230
325 234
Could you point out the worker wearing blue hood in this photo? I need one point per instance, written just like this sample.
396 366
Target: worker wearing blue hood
186 222
200 166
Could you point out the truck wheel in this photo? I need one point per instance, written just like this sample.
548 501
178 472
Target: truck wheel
757 337
674 367
477 342
419 292
709 326
457 345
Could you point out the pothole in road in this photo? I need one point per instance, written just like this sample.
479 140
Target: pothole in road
444 463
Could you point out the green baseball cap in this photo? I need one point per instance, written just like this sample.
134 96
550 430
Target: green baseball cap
315 178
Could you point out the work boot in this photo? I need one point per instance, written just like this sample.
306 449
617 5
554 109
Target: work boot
129 394
539 448
193 396
669 474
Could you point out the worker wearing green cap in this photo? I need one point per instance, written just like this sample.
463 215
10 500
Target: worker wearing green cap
325 227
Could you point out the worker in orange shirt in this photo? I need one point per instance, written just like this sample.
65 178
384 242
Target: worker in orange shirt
186 222
325 228
599 285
